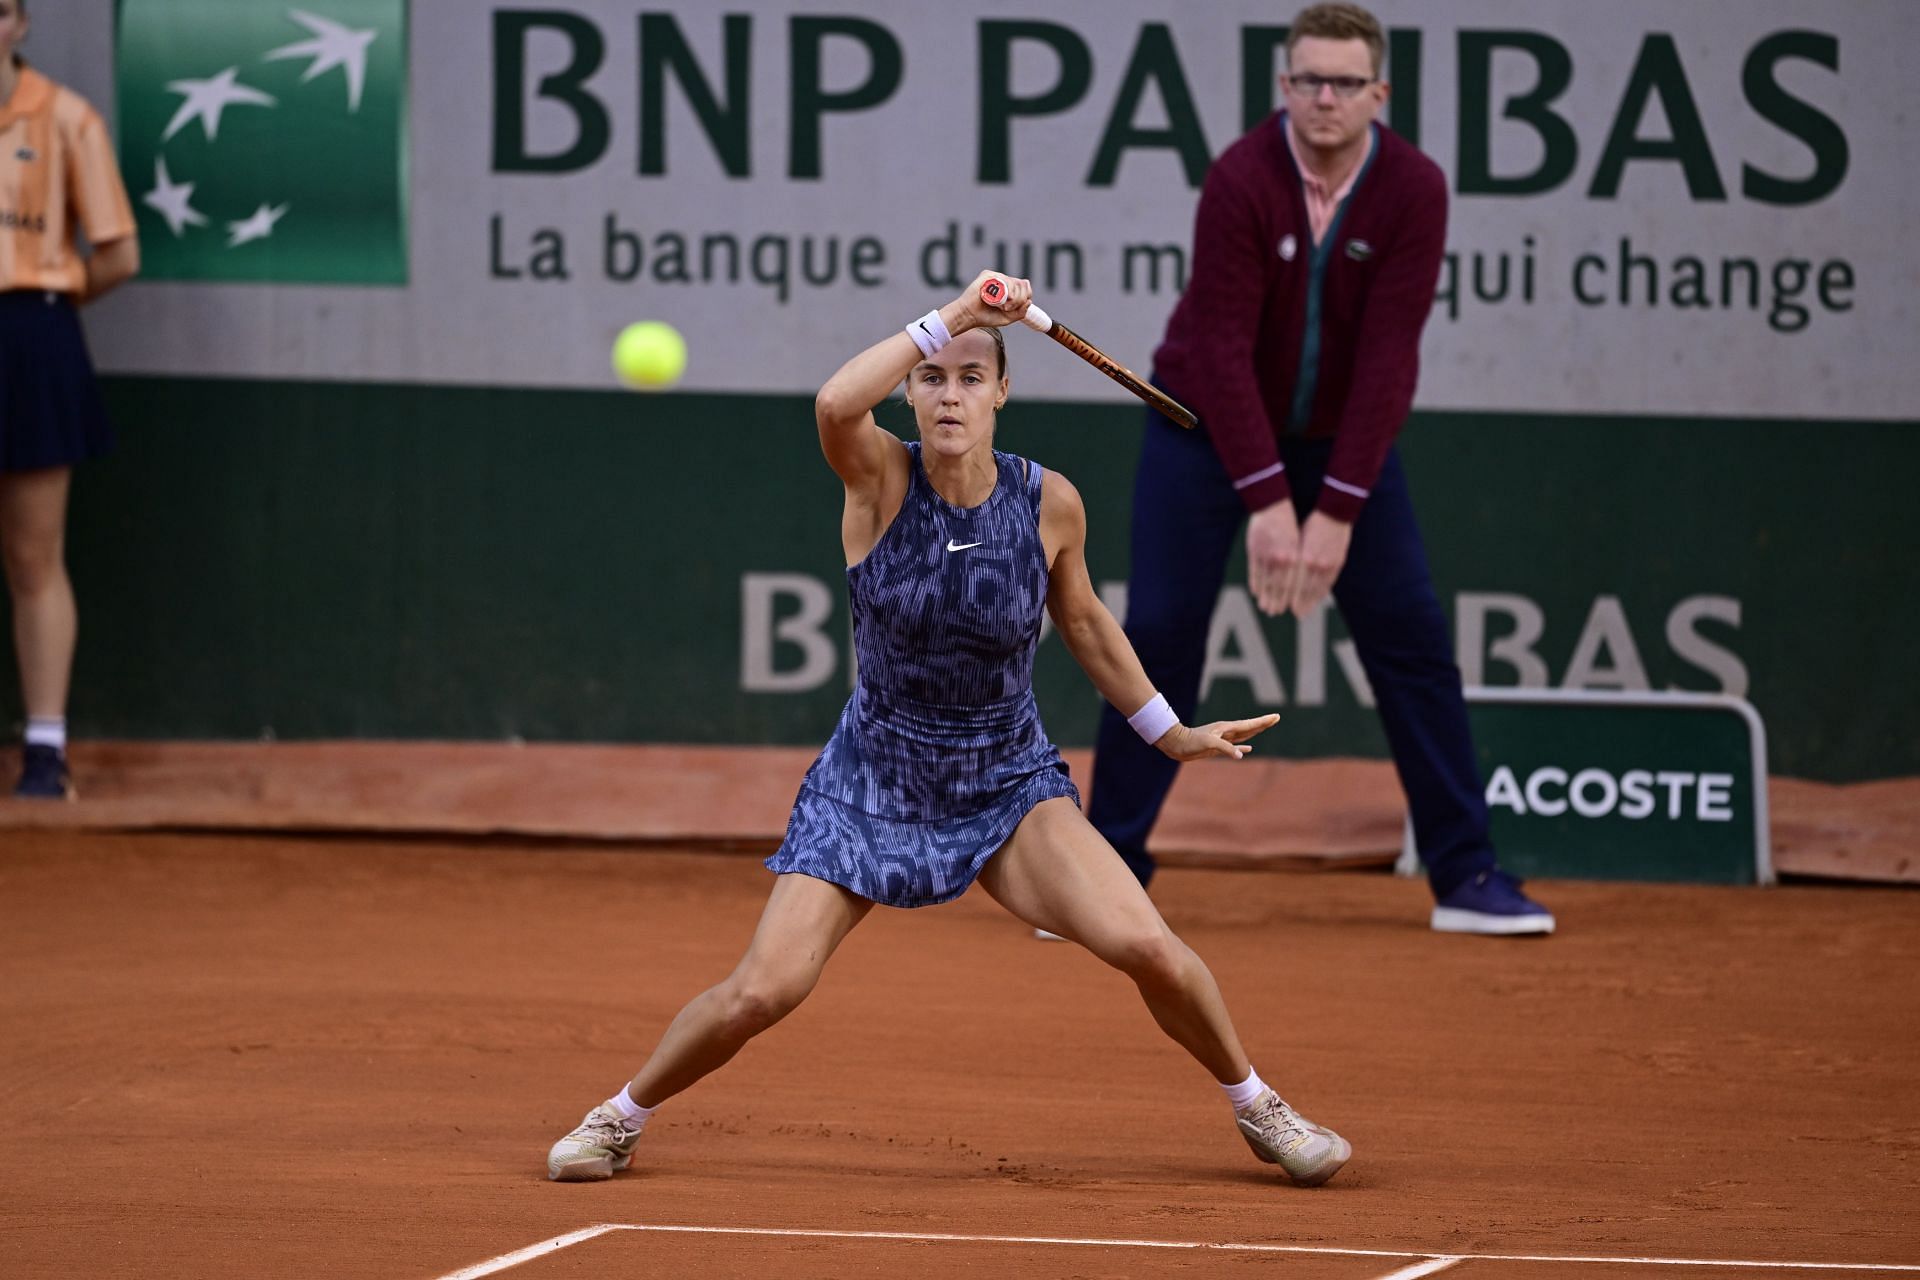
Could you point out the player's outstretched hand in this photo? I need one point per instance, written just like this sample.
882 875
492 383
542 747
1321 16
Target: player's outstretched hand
1221 738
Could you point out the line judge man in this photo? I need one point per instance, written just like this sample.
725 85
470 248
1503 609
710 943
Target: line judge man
1317 248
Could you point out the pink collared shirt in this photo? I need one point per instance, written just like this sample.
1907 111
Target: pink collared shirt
1322 202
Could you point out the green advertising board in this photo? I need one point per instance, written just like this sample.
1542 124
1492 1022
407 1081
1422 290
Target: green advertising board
263 143
1603 785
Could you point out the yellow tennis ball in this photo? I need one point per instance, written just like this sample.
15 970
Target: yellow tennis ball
649 355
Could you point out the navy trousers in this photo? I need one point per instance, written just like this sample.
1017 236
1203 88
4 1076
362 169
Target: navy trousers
1186 519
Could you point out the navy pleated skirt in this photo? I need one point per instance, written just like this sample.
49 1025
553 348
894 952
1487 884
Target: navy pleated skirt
51 412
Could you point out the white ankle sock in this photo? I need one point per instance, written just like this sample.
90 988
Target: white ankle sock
47 731
1244 1094
627 1109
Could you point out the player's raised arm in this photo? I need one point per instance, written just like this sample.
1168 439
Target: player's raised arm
855 445
1094 638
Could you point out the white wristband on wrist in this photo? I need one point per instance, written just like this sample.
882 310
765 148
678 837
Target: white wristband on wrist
929 333
1152 721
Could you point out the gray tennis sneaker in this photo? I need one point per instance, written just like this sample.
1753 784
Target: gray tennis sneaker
602 1144
1309 1153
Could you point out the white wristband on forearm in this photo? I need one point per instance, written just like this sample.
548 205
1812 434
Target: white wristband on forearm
1152 721
929 333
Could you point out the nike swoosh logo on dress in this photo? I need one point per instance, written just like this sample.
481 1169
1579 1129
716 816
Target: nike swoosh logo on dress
962 546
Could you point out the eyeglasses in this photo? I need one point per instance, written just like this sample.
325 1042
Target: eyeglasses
1308 85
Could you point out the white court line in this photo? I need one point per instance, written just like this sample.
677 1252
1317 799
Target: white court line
1419 1269
531 1252
519 1256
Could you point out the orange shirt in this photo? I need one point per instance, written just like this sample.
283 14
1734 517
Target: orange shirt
58 176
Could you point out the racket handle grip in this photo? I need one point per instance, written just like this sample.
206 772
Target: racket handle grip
992 291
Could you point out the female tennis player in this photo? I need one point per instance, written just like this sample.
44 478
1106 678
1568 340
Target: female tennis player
939 772
58 178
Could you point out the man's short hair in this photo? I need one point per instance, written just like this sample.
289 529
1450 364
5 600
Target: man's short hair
1339 21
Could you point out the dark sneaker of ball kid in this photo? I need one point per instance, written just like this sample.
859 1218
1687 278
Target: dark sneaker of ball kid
43 774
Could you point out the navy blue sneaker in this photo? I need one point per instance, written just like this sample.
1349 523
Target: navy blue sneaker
43 774
1490 903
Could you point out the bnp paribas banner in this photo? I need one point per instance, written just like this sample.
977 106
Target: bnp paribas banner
1702 209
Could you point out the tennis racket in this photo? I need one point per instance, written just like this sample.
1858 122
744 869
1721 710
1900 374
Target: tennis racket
993 291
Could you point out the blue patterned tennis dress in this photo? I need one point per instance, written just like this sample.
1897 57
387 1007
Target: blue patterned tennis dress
940 752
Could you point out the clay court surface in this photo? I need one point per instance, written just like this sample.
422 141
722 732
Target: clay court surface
246 1056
